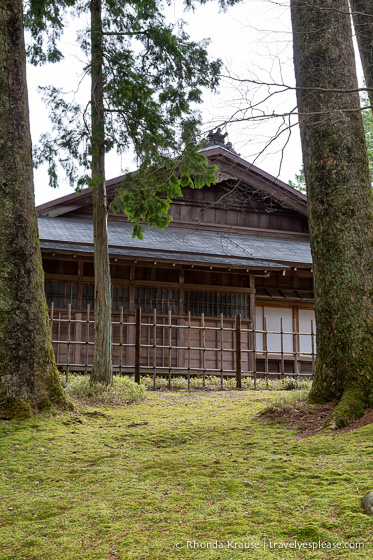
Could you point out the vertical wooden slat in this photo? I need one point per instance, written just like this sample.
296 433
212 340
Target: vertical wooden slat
221 348
154 348
58 337
169 348
238 353
51 319
189 341
265 348
295 348
189 329
312 348
203 332
121 339
68 341
252 317
148 338
254 355
87 340
163 342
137 344
77 358
282 348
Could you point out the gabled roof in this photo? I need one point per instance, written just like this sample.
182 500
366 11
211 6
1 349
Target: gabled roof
62 229
177 244
231 167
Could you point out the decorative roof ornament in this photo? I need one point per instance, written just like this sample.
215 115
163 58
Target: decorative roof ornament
218 139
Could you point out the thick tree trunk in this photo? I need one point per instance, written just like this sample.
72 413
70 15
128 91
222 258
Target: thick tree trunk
28 376
102 361
340 204
362 15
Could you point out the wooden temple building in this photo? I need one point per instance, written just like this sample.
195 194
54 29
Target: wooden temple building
239 248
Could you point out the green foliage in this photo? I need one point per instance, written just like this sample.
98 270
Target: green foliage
213 382
288 402
299 182
154 76
122 391
45 22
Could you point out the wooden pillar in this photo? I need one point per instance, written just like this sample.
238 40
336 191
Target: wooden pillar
181 332
238 353
252 317
130 351
77 355
137 345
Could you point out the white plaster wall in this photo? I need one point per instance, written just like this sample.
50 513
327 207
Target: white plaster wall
305 340
273 317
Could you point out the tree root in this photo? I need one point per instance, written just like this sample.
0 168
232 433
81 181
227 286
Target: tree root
352 405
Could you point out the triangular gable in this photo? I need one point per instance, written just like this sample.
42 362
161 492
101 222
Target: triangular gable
232 168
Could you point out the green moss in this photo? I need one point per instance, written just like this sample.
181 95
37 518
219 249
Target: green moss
352 405
54 394
131 482
13 407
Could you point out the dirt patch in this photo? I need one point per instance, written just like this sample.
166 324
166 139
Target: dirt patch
363 421
310 419
94 414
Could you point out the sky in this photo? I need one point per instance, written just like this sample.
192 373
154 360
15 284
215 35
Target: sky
253 39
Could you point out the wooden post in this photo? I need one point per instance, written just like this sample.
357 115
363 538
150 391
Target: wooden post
154 348
252 334
189 319
238 353
78 338
254 354
121 341
221 348
181 322
58 338
203 349
282 350
68 341
87 339
265 345
295 348
137 344
51 319
131 318
169 347
312 348
189 333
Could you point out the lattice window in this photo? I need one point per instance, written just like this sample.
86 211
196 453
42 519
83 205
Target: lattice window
119 297
215 303
162 300
61 293
88 295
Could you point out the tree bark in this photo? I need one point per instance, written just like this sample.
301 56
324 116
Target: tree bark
362 15
28 375
102 360
340 205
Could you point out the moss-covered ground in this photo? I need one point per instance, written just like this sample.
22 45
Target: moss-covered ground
140 482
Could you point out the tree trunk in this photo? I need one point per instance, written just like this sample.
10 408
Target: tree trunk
102 360
29 378
340 204
362 15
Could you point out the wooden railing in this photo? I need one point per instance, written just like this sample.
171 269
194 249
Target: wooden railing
178 345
